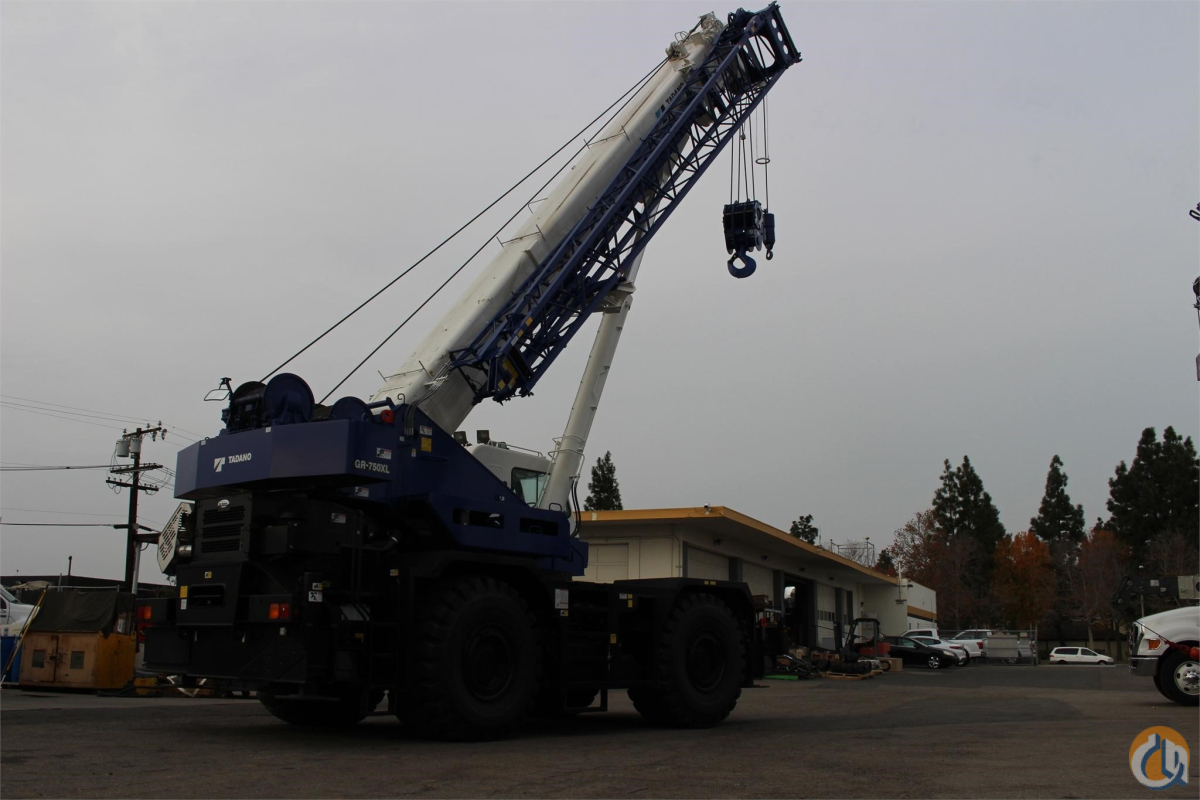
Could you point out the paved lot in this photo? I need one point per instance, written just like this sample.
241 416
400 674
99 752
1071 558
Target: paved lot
1060 732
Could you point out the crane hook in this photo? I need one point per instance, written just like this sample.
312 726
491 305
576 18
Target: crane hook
748 269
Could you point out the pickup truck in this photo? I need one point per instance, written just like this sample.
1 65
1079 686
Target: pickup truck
1164 646
974 641
13 613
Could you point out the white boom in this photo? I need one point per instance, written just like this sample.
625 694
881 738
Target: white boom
425 378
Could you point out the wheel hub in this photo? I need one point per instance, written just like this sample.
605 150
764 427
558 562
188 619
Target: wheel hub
488 662
706 662
1187 677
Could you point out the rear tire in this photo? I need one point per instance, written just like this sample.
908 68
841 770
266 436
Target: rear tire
1177 679
698 666
478 663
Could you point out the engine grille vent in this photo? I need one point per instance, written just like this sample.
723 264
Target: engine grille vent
220 531
216 516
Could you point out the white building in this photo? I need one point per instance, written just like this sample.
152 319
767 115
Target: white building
817 592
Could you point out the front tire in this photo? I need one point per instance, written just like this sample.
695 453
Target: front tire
934 662
1179 679
478 663
698 666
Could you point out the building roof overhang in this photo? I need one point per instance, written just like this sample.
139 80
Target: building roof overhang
720 520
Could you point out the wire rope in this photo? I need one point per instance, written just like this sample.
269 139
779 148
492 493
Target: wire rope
441 244
627 96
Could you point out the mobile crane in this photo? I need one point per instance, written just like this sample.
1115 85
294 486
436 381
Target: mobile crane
335 554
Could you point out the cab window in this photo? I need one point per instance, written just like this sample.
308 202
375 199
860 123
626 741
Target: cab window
528 484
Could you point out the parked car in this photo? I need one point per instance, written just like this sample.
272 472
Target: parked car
957 650
1175 669
975 641
914 653
1078 655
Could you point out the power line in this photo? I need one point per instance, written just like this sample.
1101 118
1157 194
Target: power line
72 418
46 468
43 413
73 513
60 524
100 414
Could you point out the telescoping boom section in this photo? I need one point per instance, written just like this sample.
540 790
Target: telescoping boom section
581 240
328 556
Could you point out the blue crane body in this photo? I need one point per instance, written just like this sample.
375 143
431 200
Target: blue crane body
337 554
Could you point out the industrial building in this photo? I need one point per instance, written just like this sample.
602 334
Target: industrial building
814 592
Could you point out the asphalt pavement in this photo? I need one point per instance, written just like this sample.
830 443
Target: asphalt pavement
978 731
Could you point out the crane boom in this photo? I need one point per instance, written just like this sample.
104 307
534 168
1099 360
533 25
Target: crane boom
521 312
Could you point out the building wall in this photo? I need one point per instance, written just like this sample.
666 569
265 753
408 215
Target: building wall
678 550
880 602
633 557
922 604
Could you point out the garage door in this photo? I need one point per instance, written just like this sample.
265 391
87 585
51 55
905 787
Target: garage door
760 579
607 563
703 564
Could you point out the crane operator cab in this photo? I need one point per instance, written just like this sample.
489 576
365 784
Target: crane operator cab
522 470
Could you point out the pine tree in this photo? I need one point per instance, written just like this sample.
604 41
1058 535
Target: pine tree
885 564
965 512
604 493
803 529
1158 495
1057 520
1060 525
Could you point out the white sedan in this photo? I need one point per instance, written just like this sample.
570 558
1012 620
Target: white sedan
1078 655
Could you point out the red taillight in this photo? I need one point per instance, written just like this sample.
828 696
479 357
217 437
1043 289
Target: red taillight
279 611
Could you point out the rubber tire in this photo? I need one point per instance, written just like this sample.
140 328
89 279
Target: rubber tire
886 666
934 662
1166 677
675 701
438 702
968 660
347 711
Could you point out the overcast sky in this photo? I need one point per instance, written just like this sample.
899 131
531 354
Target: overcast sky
984 246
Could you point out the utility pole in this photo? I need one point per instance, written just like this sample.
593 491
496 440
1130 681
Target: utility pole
131 444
